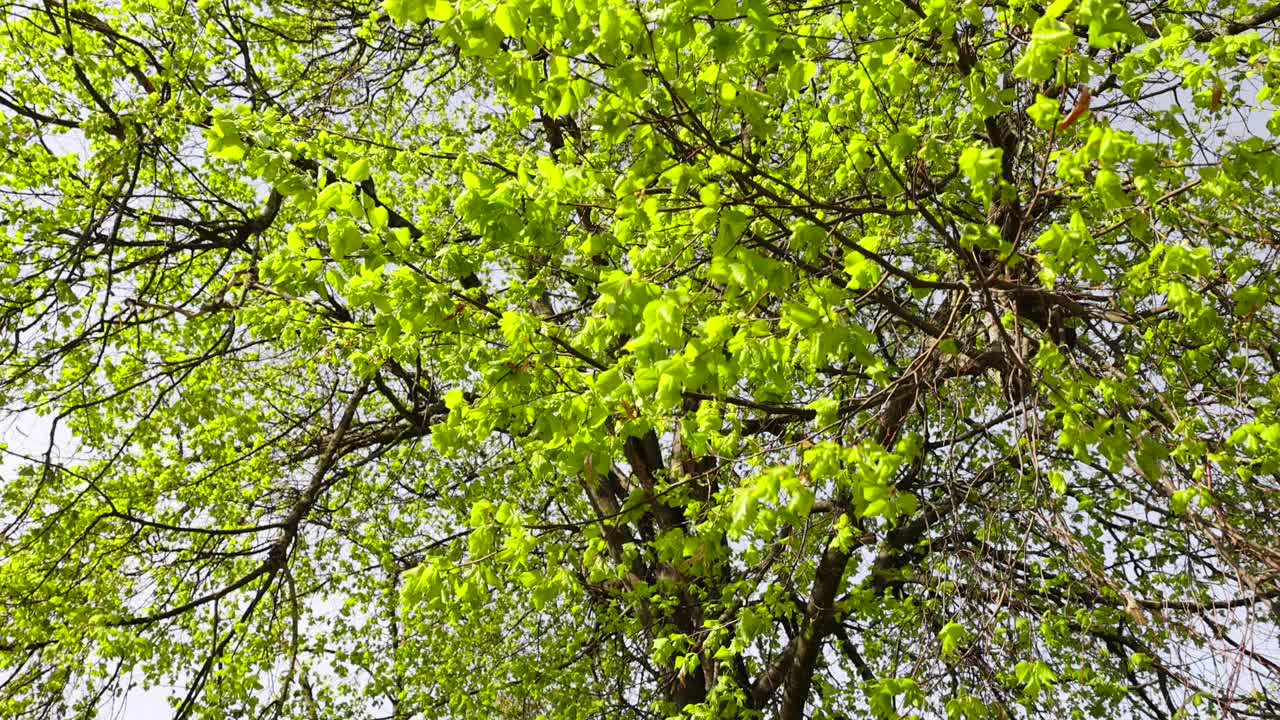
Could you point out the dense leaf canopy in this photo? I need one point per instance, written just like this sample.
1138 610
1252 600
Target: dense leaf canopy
640 359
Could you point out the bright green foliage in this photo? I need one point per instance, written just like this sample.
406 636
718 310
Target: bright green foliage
640 359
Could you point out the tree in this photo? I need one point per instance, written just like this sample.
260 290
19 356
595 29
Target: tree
590 358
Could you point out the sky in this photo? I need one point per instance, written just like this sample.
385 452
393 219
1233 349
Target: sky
26 433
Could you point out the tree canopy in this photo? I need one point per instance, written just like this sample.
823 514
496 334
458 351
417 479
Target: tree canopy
640 358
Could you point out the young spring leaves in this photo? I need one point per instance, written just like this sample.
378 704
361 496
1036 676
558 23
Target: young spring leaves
583 358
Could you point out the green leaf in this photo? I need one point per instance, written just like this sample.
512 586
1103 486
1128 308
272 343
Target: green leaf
1049 38
952 636
438 10
1056 9
509 20
800 75
1044 112
358 171
225 141
724 9
454 399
